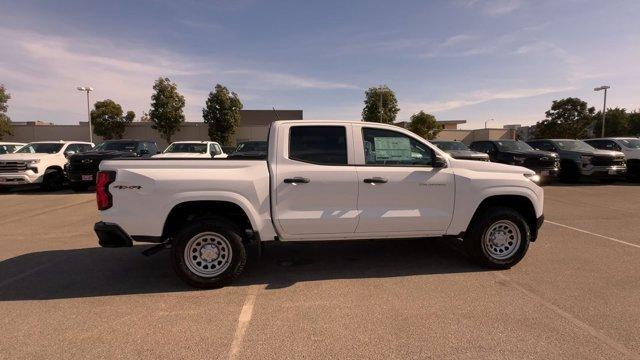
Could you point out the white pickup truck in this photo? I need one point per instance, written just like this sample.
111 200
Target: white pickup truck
320 180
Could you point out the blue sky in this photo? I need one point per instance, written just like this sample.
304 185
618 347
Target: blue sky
458 59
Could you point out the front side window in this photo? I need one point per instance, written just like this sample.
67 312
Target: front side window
124 146
41 148
386 147
324 145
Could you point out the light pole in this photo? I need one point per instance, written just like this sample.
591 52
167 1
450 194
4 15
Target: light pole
604 106
485 122
87 89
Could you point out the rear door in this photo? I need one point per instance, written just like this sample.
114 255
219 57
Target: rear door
399 189
315 187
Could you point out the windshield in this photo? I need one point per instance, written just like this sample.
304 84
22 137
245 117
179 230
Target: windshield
574 145
7 149
40 148
513 145
198 148
126 146
631 143
257 146
451 145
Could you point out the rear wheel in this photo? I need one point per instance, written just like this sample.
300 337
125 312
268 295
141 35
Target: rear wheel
53 180
498 238
209 253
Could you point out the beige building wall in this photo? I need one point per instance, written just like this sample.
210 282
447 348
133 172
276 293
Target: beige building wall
254 125
469 136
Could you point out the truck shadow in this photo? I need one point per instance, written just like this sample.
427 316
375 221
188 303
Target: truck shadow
90 272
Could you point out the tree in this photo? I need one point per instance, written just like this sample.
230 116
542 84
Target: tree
567 118
145 117
108 121
425 125
222 114
380 105
634 123
5 121
166 108
616 123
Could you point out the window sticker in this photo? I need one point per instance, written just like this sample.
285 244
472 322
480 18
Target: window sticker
392 149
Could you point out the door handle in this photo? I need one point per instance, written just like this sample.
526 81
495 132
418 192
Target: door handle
376 180
297 180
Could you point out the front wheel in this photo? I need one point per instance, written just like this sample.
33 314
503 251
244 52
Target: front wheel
498 238
209 253
53 180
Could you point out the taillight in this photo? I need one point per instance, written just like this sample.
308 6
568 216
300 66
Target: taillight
103 196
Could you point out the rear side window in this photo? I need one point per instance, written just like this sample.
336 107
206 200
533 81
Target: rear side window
324 145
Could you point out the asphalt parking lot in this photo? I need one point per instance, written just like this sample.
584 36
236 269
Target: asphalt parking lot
576 295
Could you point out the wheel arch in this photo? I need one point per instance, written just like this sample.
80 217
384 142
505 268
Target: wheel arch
194 209
519 203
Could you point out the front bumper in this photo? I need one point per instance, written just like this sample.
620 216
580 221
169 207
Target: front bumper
111 235
604 171
539 222
21 178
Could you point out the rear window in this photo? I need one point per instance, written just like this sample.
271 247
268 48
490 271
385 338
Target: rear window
324 145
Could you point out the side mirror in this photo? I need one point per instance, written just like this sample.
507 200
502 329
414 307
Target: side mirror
439 162
143 152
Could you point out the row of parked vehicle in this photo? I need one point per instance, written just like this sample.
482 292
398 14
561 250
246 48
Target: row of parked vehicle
567 159
50 163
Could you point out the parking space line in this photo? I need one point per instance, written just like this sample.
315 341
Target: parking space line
594 234
243 322
577 322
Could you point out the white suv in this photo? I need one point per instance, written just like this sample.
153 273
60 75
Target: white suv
193 149
39 163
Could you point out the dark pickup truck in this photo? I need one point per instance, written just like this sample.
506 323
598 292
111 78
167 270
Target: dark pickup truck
579 159
82 168
515 152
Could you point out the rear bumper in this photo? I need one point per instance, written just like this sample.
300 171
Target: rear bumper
111 235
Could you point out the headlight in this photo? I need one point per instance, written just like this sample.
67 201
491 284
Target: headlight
585 160
533 177
32 162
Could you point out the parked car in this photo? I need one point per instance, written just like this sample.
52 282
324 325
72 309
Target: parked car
459 150
193 149
629 146
322 180
82 168
578 159
39 163
516 152
250 149
9 147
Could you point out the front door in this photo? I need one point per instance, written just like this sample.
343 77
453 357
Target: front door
316 190
399 189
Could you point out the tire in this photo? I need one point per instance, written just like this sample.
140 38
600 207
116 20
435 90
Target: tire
569 172
53 180
79 187
209 253
507 246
